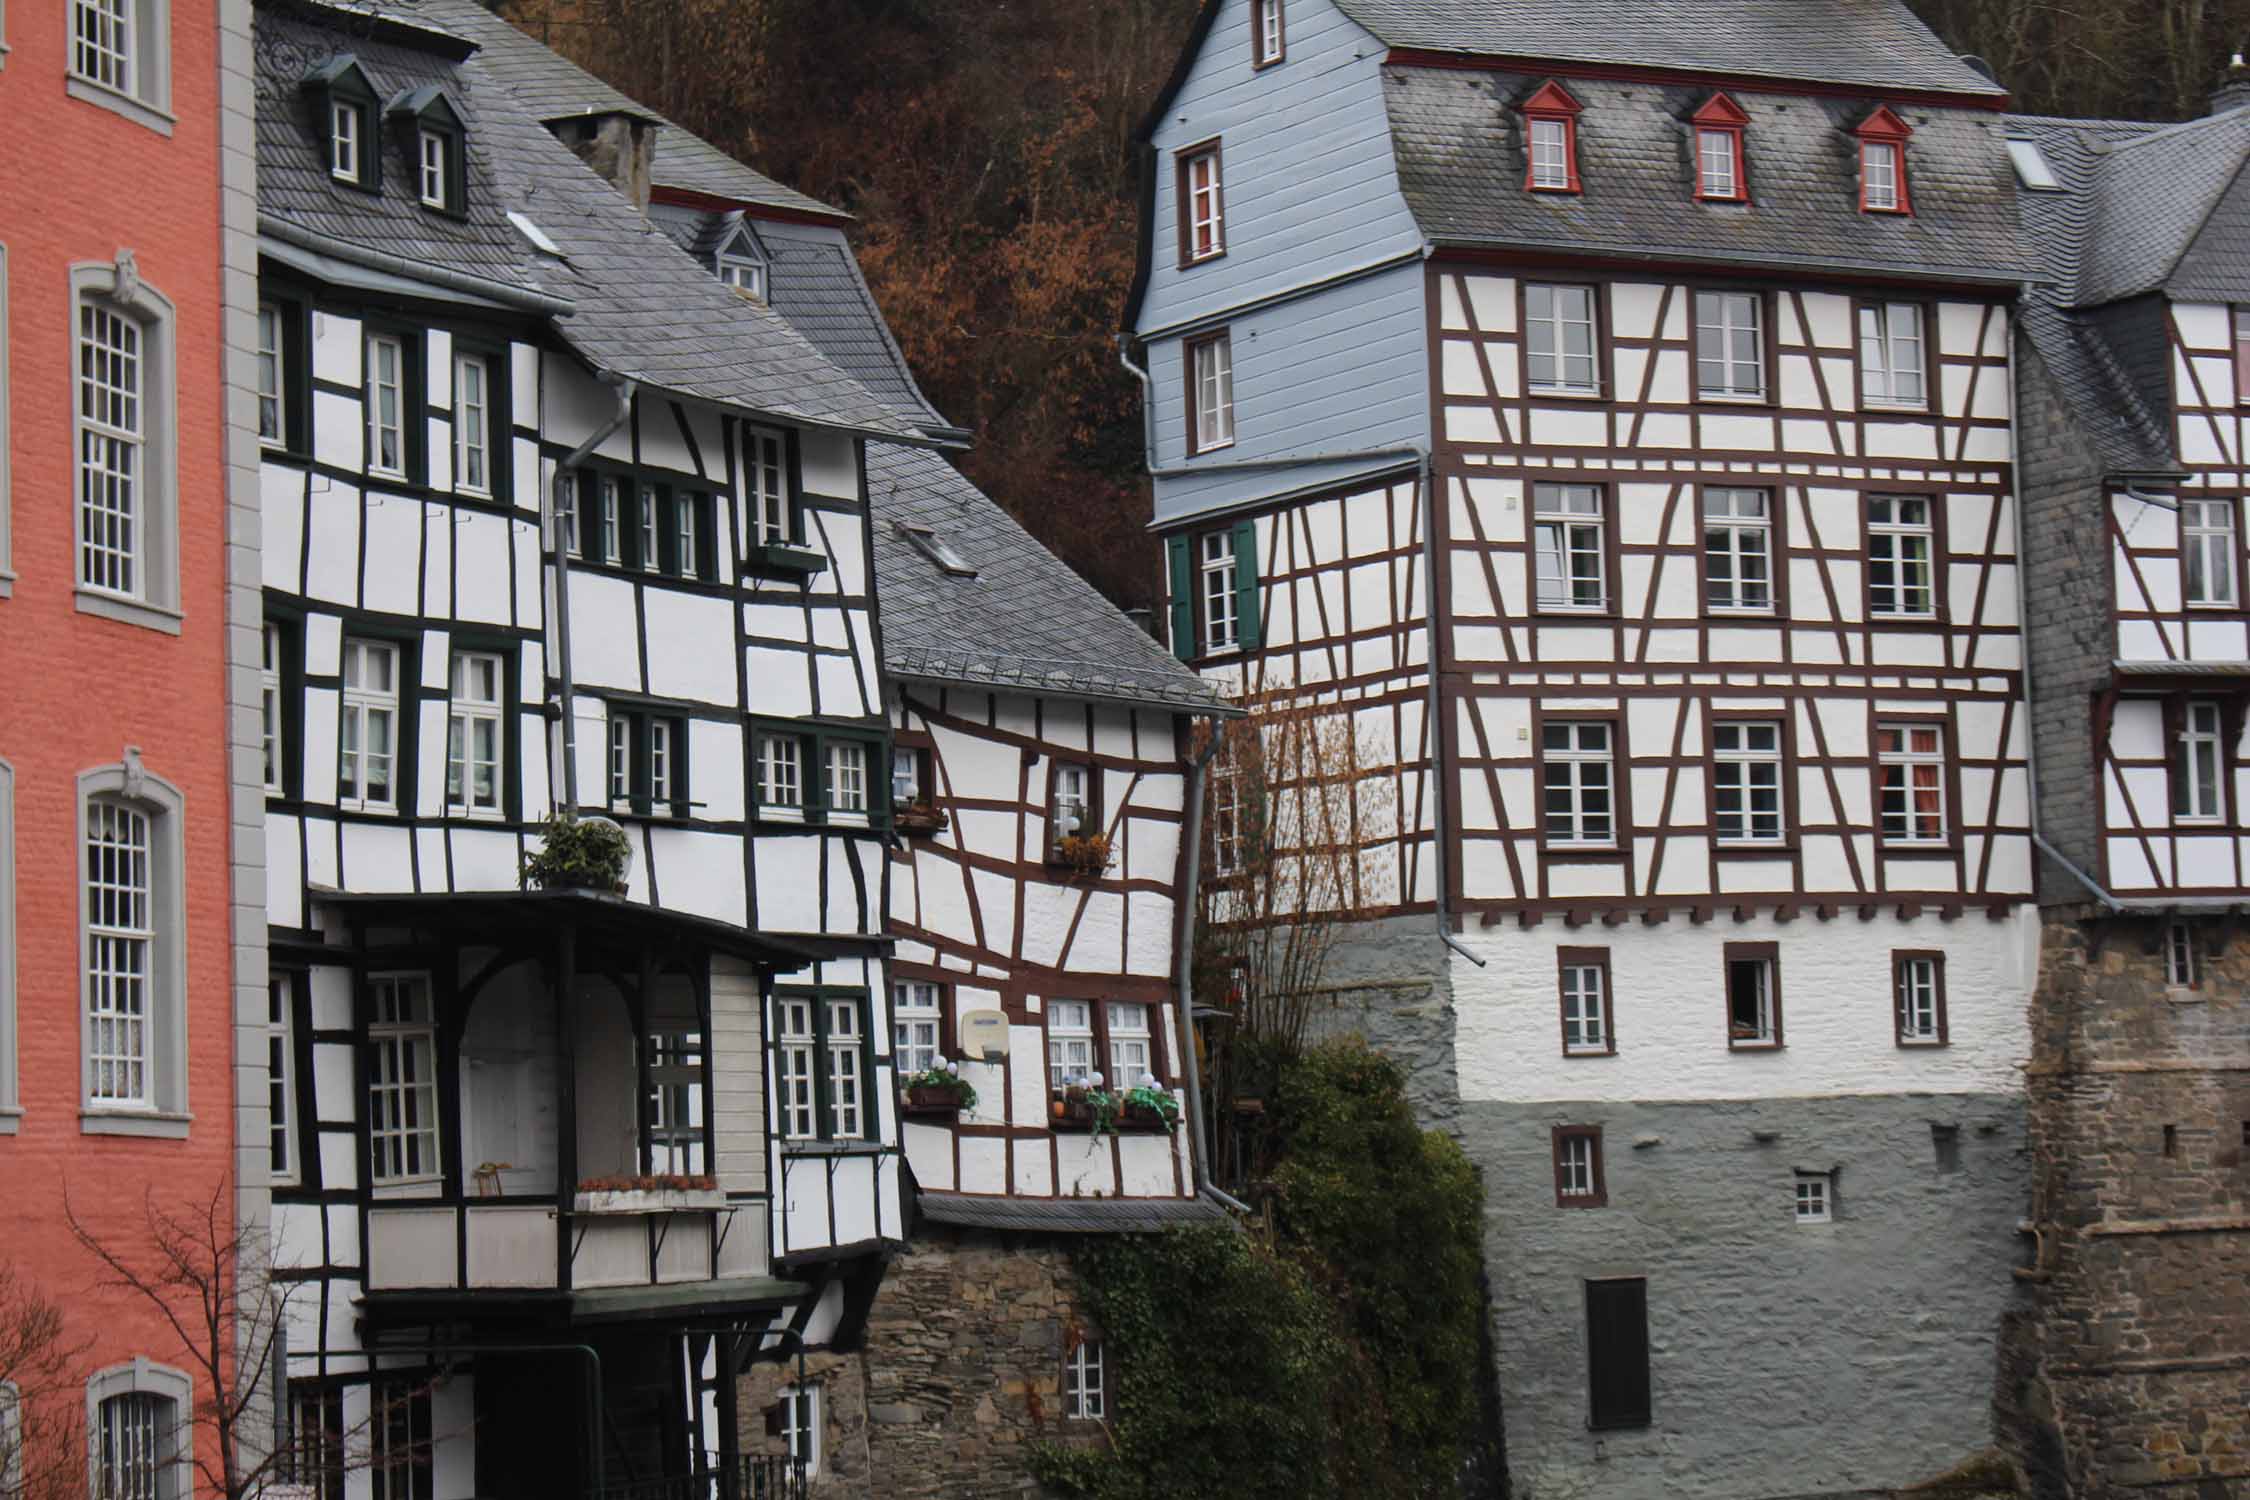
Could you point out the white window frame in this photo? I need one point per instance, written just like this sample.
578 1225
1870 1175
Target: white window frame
1071 801
1070 1037
112 449
1893 356
1550 152
401 1441
781 769
1812 1202
844 1069
1879 184
847 794
1217 579
1904 772
128 71
121 941
405 1140
281 1071
152 597
917 1026
1909 548
1920 999
273 377
1213 396
1718 171
1768 1031
797 1045
1585 1009
1570 547
376 390
272 729
1720 318
2199 773
1131 1027
745 273
1205 207
663 764
610 498
1746 760
1226 817
436 168
170 1398
468 710
650 526
1548 356
767 487
801 1424
687 533
361 707
566 514
1269 34
906 775
676 1102
1574 1177
620 764
346 145
2208 579
1738 529
1085 1395
161 1109
1570 769
472 423
2179 956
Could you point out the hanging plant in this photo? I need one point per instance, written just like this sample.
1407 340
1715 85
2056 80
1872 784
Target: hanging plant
586 854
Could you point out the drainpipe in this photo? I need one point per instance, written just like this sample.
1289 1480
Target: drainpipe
1184 970
625 386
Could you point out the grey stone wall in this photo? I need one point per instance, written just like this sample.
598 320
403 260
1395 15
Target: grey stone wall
1387 981
1786 1360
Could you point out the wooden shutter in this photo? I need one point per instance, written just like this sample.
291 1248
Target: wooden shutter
1246 622
1183 600
1617 1353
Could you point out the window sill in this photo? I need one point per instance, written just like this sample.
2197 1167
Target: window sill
1920 847
788 557
149 1123
1751 1044
1747 849
105 97
1755 403
1570 1052
7 583
1574 611
367 809
1581 851
833 1148
93 601
1190 262
1564 393
9 1114
1920 1044
1896 408
1205 450
1747 614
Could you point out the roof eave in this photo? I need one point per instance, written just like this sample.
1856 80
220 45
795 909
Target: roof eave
527 299
1213 709
1983 276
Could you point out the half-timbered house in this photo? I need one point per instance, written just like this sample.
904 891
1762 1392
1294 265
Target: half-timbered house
1611 416
554 523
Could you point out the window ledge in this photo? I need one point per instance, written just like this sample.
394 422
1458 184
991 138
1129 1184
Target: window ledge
1744 1044
1564 392
102 95
834 1148
7 576
1919 1044
1897 408
157 1124
1589 1052
93 601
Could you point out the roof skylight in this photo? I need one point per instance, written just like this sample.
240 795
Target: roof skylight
936 549
2031 167
535 234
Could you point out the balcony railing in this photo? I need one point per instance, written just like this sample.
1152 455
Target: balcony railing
753 1476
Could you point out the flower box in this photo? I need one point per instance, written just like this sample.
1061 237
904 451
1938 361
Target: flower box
650 1201
1071 1110
931 1101
1081 856
1140 1118
918 817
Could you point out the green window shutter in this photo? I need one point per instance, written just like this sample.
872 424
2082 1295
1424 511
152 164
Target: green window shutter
1183 601
1246 621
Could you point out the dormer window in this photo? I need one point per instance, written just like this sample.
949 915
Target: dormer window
1551 140
344 141
344 119
741 264
1882 164
436 191
431 134
1719 176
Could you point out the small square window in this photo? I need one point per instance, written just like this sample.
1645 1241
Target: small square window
1578 1167
1813 1201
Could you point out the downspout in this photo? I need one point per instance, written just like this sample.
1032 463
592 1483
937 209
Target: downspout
1436 708
1184 972
625 386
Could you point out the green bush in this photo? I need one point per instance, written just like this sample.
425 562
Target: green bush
577 854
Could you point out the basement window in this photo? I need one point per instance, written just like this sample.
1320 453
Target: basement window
1814 1203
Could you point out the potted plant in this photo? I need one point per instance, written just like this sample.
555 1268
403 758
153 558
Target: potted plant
648 1193
1073 1104
1150 1106
919 816
1084 855
585 854
938 1090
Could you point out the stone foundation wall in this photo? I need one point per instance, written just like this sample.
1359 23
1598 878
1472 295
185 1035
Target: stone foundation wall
961 1370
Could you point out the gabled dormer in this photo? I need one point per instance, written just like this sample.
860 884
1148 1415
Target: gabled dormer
742 263
344 124
1882 163
1550 135
1719 168
434 137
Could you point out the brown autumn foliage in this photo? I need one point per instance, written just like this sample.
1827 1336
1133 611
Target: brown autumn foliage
985 147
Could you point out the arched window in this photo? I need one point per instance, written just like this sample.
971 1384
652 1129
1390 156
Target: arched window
132 917
124 446
140 1427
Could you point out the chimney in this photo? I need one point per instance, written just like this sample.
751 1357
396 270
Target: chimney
618 145
2233 91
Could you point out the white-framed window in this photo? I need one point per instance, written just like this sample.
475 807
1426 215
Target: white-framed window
1576 1176
472 423
1811 1203
386 405
781 771
1738 568
105 43
1891 349
2199 765
744 273
400 1457
798 1046
1585 1008
402 1107
663 765
1911 761
1085 1396
1130 1044
1576 757
1550 153
1730 346
846 1081
436 164
675 1101
1753 1000
272 377
343 140
687 534
1071 803
1569 548
612 522
1879 177
1559 353
651 558
140 1426
847 778
2207 552
800 1425
1070 1042
1921 1000
1213 362
767 463
917 1019
314 1458
566 514
1220 589
1746 802
112 450
1268 32
1226 817
1204 197
2179 956
281 1154
906 775
271 733
473 735
1901 556
1718 161
121 940
620 763
367 747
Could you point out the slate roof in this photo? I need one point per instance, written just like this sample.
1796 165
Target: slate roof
1069 1215
1460 153
1874 44
1025 622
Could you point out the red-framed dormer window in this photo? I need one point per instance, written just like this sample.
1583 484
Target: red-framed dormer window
1719 177
1882 164
1550 132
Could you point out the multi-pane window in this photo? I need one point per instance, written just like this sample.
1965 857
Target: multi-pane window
663 763
1580 775
1070 1042
1891 370
1919 979
650 558
1559 339
270 732
744 273
825 1065
1130 1057
1879 177
768 469
1585 1007
436 191
1746 804
402 1111
800 1425
687 534
916 1026
847 777
1568 547
1911 787
646 775
781 774
2207 551
1226 818
620 763
1550 153
909 783
314 1459
112 449
611 528
1070 804
1578 1166
2241 354
472 422
800 1108
1730 346
1738 566
104 43
367 747
400 1447
343 141
1901 556
566 514
272 375
1718 163
2179 956
846 1085
1212 361
1812 1199
1205 208
386 405
472 735
1219 588
1267 31
2199 764
120 953
281 1159
133 1448
1753 996
1083 1392
675 1102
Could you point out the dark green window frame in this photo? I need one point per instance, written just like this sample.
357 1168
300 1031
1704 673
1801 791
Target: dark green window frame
640 726
813 742
1184 554
635 496
822 1093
